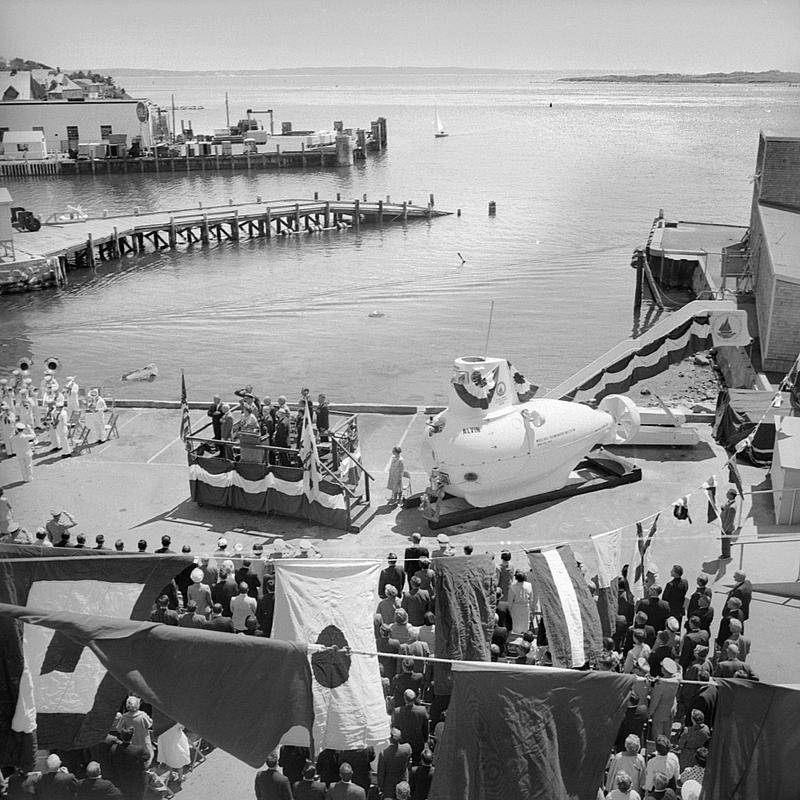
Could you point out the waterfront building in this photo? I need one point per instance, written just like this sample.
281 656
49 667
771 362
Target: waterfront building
774 249
758 265
68 123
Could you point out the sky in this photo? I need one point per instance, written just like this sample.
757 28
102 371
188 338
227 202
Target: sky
615 35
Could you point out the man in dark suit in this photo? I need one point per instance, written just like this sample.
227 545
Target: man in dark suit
57 783
344 788
706 701
388 645
323 418
743 589
393 764
392 574
226 431
281 437
95 787
656 609
407 679
639 621
412 722
215 412
163 613
219 622
701 590
675 592
360 762
500 636
412 554
694 637
309 788
422 776
270 784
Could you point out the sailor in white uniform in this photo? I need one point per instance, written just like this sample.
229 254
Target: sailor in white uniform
62 430
71 391
7 422
22 447
96 415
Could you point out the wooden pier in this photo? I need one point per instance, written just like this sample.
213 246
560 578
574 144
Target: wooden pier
65 244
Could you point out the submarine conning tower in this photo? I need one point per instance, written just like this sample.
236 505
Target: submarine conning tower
484 384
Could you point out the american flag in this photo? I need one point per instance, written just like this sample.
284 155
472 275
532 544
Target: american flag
186 424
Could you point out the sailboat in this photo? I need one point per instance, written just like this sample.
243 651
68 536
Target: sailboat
438 127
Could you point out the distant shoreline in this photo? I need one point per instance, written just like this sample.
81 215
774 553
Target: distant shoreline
770 76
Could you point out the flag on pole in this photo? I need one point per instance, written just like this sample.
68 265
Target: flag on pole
528 733
608 549
267 684
186 424
568 609
643 557
51 687
309 456
710 488
327 602
735 476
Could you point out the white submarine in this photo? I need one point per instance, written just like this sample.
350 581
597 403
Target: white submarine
494 444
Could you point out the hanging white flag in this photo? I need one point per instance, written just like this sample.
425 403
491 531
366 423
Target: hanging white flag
608 549
729 328
309 456
330 603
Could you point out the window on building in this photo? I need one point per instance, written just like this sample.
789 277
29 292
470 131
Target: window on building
39 128
72 133
105 131
2 133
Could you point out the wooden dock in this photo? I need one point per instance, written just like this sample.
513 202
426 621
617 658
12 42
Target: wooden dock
65 244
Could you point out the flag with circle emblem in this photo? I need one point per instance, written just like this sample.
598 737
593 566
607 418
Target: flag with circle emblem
328 604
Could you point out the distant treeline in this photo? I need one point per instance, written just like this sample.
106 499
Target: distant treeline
769 76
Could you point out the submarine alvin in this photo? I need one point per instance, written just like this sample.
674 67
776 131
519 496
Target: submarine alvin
495 444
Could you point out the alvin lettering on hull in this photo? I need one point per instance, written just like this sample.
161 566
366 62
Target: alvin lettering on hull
495 444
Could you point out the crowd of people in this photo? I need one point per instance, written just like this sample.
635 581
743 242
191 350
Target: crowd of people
669 640
273 423
45 417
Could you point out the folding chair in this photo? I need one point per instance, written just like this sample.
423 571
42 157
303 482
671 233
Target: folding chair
80 440
111 427
74 421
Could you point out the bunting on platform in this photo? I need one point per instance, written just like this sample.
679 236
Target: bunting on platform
528 733
49 685
649 360
246 714
569 612
710 489
330 602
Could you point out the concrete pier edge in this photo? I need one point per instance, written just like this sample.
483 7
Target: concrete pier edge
348 408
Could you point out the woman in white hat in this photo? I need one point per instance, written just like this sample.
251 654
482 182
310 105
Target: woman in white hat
200 592
96 415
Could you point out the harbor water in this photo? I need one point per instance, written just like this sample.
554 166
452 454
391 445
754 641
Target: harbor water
576 185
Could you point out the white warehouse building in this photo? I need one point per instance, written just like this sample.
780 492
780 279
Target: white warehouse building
67 123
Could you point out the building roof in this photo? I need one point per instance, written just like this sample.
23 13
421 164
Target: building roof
782 234
19 85
682 239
